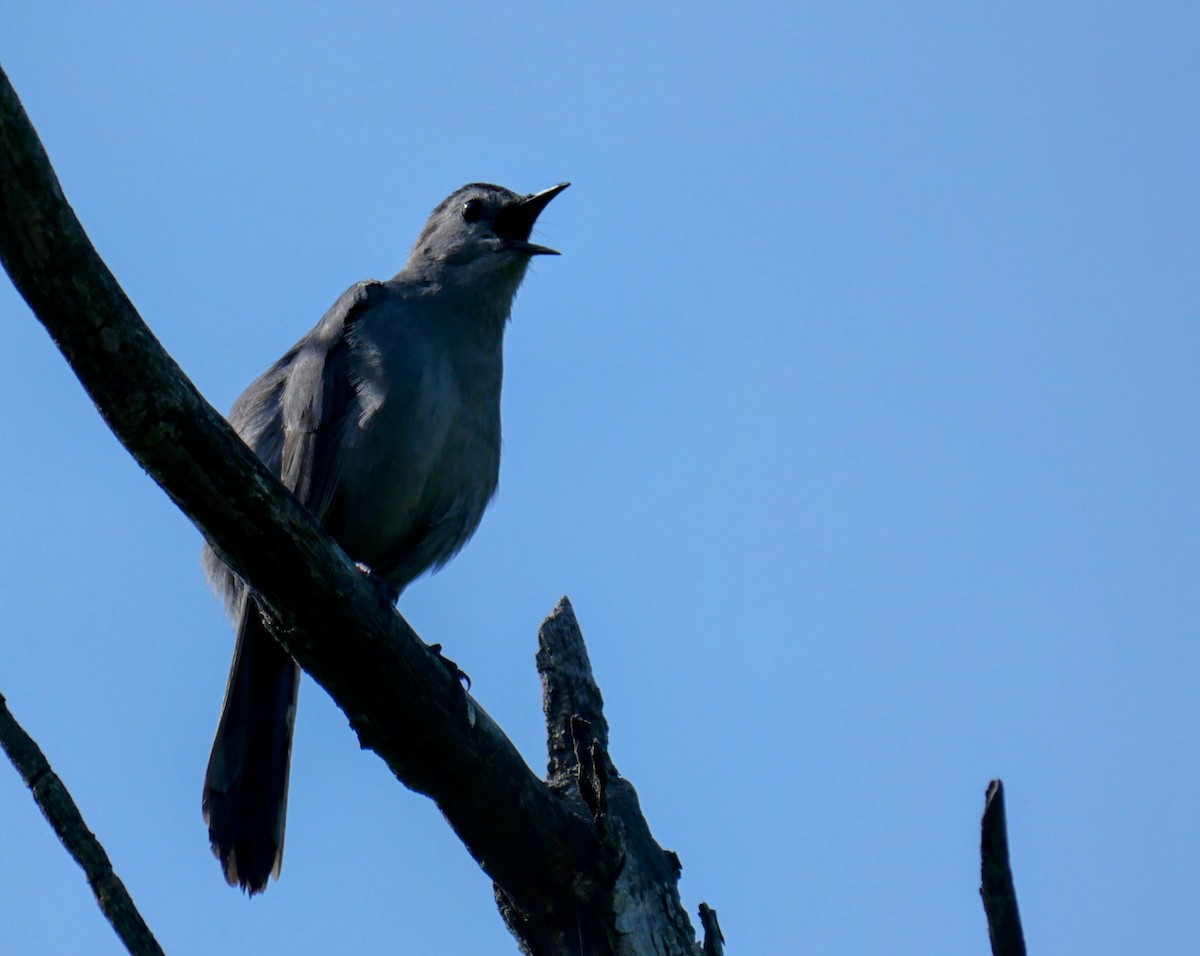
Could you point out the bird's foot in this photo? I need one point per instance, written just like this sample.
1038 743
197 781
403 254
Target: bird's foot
455 671
388 593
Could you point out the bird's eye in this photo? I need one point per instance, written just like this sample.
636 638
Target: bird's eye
473 210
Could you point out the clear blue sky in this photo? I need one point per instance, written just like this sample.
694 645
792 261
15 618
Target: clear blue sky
858 419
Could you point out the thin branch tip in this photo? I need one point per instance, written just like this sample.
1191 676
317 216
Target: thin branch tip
997 889
61 812
714 939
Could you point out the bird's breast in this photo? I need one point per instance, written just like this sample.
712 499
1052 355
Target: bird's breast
425 462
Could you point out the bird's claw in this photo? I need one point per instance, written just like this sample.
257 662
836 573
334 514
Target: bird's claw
388 593
455 671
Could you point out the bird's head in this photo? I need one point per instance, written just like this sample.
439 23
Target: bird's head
480 235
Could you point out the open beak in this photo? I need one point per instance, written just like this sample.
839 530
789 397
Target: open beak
514 223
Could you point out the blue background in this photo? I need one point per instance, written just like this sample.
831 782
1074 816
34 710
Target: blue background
858 419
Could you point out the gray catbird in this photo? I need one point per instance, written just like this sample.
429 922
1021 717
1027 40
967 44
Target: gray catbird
385 421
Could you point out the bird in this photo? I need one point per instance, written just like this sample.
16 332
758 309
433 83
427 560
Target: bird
384 420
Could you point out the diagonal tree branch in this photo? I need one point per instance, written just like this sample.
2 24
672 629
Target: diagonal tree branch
329 618
999 894
53 799
543 848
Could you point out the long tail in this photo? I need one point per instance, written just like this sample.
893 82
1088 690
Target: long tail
245 788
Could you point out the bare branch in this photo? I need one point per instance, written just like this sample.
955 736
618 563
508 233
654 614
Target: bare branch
568 690
999 894
637 896
329 618
579 880
52 798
